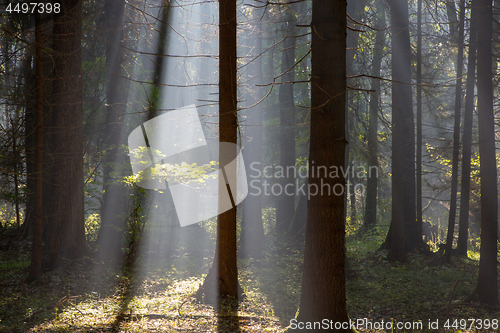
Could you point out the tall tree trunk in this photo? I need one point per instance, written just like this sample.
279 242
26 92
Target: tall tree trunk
403 224
114 200
419 122
15 162
11 115
36 253
323 283
286 203
352 194
371 183
252 228
29 149
223 275
487 284
463 228
451 12
354 11
456 133
228 132
66 231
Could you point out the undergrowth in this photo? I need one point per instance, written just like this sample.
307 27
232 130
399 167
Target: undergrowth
85 296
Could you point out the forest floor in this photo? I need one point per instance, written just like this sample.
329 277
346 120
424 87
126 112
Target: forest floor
85 296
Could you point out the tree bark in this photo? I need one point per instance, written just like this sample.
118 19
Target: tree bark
223 275
419 122
36 252
114 200
323 283
354 10
29 149
286 203
352 195
463 228
371 183
456 134
487 284
403 225
66 231
252 228
452 19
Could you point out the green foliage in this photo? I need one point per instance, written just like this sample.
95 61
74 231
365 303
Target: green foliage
475 243
268 219
418 290
210 226
8 216
13 260
180 173
92 226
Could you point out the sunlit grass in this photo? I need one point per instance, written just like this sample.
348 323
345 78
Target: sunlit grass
159 299
474 255
160 309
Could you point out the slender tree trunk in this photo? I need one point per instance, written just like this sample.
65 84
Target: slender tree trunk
26 131
224 272
403 226
452 19
419 122
36 253
48 134
228 132
286 203
29 149
114 200
456 134
371 183
323 284
252 228
15 162
352 194
463 229
487 284
66 231
354 11
13 118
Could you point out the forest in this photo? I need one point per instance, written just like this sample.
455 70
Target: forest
249 165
